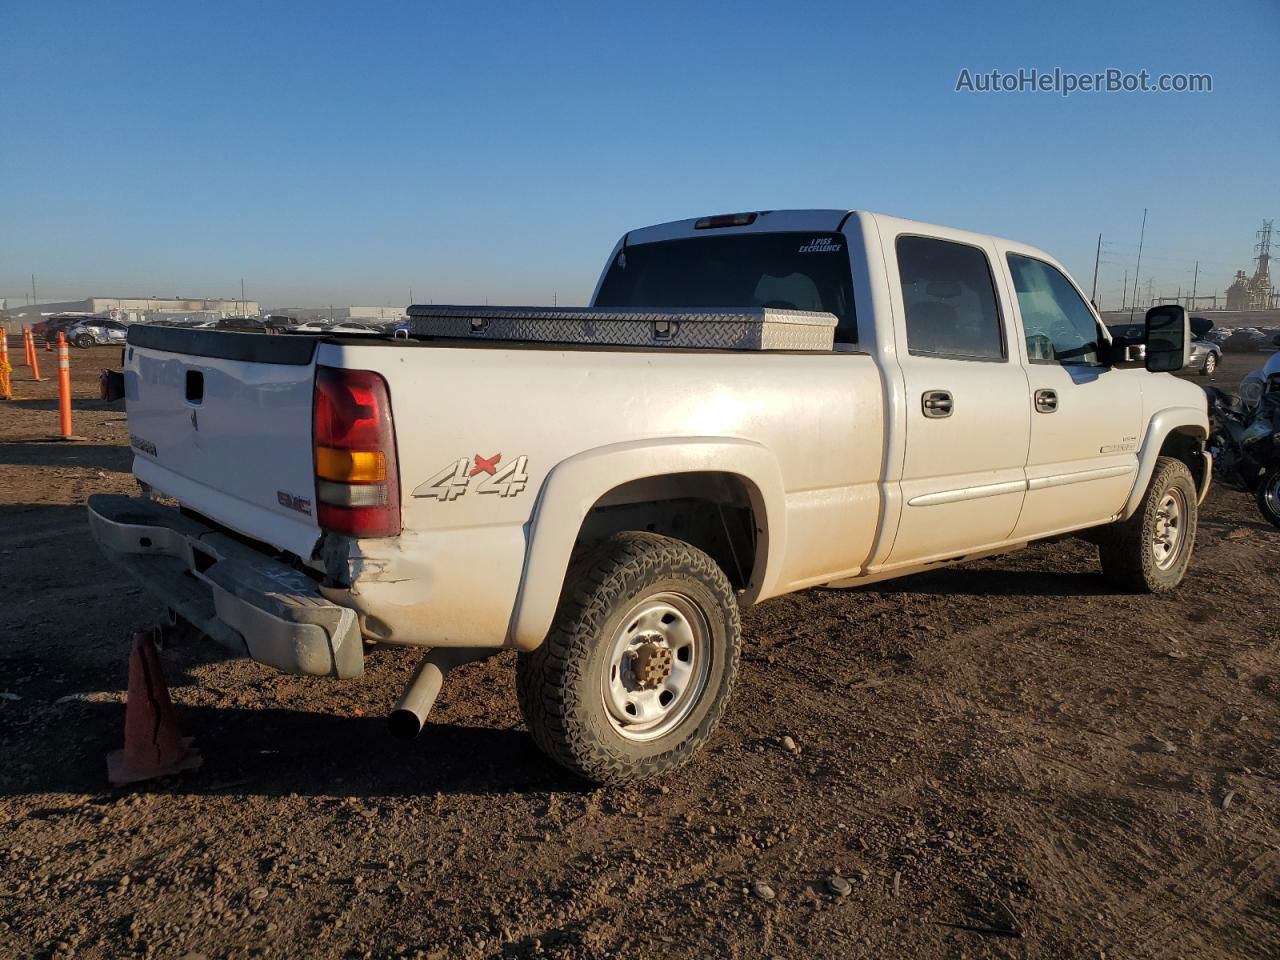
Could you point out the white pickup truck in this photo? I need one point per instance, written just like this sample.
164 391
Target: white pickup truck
606 510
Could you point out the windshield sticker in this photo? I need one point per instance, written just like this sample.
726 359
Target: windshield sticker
822 245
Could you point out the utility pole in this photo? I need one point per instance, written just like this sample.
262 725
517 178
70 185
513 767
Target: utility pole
1138 269
1194 279
242 306
1097 258
1124 296
555 298
1150 283
34 298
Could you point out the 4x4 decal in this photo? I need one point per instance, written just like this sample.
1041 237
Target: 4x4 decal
456 479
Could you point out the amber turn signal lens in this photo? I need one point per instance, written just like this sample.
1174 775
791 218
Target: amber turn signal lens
351 466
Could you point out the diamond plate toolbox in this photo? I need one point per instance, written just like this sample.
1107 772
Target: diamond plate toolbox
705 328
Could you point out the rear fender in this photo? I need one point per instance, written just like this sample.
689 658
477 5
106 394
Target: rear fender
575 485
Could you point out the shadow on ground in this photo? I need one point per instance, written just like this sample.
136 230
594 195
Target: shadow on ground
55 453
77 403
277 752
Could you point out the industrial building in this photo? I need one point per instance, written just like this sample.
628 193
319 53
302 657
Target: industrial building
1256 292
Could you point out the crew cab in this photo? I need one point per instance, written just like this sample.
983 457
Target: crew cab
605 511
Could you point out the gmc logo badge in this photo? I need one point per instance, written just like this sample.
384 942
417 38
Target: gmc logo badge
301 504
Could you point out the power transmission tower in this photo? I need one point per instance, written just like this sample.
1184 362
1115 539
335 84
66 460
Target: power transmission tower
1263 247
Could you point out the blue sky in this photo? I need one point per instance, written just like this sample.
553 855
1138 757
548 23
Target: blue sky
349 152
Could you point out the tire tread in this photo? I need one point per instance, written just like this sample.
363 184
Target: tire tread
1122 547
551 681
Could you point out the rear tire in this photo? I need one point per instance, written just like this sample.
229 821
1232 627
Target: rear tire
84 341
640 663
1210 365
1149 552
1268 496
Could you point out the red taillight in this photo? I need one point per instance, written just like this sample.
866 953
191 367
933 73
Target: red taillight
357 479
725 220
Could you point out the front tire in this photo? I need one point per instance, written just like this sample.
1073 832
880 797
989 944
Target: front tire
1268 496
1150 552
640 663
84 341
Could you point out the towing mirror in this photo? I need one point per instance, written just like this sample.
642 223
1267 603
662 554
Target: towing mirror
1168 338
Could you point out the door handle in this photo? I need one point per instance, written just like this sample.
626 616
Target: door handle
937 404
1046 401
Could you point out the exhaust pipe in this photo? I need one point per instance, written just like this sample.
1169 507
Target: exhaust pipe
409 715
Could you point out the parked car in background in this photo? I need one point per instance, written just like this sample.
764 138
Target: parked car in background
49 328
1205 354
96 331
354 326
1205 357
254 324
188 323
337 326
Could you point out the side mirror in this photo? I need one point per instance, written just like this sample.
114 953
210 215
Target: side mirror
1168 338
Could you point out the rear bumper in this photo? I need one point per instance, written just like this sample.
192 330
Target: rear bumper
250 603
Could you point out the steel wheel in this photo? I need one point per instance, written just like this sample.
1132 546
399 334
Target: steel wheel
658 665
1167 534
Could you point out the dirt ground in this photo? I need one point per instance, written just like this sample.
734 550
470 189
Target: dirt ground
1003 760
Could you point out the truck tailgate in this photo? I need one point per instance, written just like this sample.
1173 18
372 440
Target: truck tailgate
222 422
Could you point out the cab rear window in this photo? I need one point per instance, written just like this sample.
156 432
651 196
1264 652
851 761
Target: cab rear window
790 271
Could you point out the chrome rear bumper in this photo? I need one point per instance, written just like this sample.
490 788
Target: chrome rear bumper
249 602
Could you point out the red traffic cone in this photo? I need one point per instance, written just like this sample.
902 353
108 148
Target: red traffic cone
153 745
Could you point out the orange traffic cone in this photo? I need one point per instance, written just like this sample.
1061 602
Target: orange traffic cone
153 745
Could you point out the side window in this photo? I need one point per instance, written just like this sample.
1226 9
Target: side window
1058 324
950 300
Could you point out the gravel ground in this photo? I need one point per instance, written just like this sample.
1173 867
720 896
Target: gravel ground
1002 760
